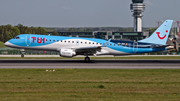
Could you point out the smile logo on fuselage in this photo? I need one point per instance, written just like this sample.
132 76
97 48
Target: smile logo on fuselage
160 36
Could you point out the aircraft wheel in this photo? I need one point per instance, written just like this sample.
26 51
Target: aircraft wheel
22 55
87 59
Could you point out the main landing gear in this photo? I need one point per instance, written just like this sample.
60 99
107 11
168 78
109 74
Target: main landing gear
87 59
22 55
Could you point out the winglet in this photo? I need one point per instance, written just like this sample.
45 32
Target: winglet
107 43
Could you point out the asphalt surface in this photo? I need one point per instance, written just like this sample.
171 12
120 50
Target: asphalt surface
94 64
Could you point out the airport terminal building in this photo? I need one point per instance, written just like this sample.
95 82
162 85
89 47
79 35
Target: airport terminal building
106 35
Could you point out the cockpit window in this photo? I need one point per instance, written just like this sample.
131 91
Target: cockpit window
17 37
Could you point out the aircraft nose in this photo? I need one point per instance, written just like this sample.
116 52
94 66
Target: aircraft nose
6 43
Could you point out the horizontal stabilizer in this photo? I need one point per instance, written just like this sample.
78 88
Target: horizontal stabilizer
160 46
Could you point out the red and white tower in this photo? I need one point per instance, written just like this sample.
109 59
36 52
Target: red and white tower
159 23
178 28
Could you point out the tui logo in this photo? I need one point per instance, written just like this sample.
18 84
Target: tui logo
160 36
39 40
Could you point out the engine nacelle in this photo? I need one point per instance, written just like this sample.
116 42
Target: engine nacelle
67 53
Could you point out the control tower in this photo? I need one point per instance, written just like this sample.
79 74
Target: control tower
137 7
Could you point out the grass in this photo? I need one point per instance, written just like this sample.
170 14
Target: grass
82 58
90 85
2 44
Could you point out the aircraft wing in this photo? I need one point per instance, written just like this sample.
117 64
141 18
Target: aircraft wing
88 50
91 50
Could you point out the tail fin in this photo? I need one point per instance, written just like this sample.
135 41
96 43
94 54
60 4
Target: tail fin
160 35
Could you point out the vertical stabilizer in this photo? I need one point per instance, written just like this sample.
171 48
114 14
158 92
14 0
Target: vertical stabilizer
160 36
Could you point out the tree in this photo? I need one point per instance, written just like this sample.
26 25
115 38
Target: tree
72 29
151 30
55 33
41 31
7 31
2 33
22 28
31 30
88 29
125 30
15 31
7 36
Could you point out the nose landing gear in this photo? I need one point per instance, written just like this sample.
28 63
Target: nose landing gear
22 51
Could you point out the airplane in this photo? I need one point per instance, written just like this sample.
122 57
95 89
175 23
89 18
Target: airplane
73 46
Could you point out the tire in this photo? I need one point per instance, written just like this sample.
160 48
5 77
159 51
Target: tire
22 55
87 59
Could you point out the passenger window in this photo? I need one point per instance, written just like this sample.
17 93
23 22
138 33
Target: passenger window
46 40
100 43
49 40
85 42
89 42
81 42
72 41
69 41
54 40
57 40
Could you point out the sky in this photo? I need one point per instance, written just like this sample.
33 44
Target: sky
84 13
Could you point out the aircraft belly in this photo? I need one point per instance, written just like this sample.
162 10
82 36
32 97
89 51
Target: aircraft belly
109 51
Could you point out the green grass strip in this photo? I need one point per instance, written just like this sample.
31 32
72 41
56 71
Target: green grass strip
2 44
89 85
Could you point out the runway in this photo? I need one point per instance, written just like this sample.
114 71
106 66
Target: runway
94 64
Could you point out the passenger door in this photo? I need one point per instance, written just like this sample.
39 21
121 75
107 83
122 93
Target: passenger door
28 40
135 47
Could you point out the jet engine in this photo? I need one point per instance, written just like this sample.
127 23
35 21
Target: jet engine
67 53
